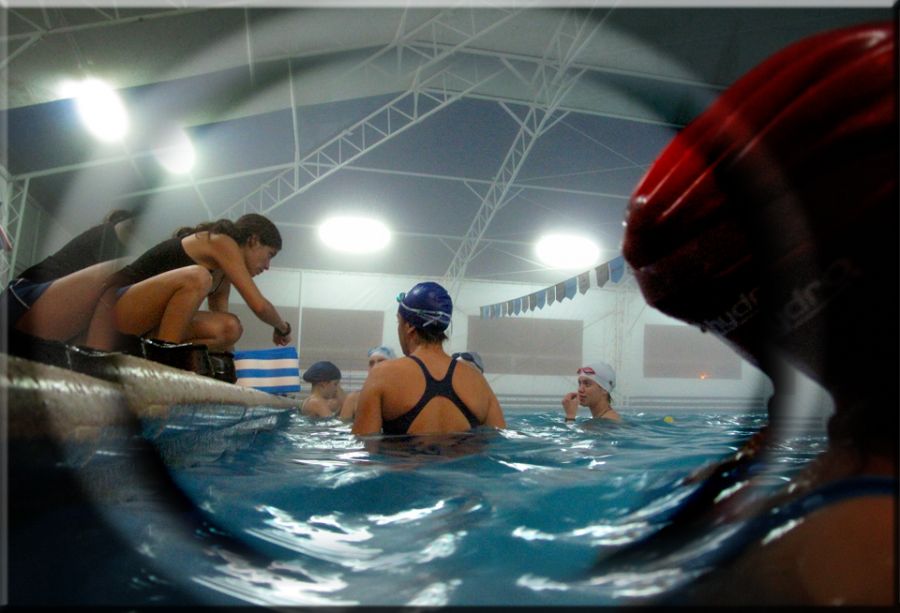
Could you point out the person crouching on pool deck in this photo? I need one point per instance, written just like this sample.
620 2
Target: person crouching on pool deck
326 397
595 384
160 293
425 393
55 298
376 356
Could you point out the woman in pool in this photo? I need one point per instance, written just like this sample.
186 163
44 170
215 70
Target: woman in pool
160 293
405 396
55 298
351 401
595 384
771 221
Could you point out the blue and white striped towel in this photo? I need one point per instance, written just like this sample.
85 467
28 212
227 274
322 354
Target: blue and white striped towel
276 371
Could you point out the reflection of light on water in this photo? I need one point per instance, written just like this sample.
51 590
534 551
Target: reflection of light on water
781 531
326 538
262 586
435 595
322 537
521 467
606 534
644 584
539 584
405 516
529 534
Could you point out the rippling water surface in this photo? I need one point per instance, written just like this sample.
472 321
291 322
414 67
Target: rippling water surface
507 517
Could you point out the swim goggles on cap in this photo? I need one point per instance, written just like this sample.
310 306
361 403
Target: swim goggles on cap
586 370
465 355
429 317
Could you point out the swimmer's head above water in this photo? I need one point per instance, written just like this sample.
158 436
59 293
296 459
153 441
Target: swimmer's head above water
601 373
321 372
427 307
771 220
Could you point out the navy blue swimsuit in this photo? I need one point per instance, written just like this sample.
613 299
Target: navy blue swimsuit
433 388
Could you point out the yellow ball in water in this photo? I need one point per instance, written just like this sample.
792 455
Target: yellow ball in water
669 419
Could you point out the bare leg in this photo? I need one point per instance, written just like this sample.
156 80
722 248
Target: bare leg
166 303
218 331
101 333
65 308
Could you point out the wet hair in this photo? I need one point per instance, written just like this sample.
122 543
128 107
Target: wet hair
251 224
429 335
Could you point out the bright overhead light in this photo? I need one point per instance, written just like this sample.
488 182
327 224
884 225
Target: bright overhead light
567 251
101 109
177 156
355 234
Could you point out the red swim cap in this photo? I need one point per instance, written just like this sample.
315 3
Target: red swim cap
771 220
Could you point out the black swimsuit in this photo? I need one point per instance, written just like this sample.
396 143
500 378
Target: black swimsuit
163 257
433 388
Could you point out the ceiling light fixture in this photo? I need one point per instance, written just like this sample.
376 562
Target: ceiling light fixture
178 155
355 234
101 109
567 251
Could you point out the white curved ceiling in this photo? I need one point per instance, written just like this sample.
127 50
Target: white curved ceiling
469 130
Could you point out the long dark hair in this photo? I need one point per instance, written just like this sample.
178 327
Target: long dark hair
241 230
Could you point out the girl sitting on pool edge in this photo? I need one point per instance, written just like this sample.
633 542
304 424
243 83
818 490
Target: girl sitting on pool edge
160 293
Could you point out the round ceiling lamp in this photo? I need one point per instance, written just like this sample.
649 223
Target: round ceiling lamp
100 108
567 251
177 156
354 234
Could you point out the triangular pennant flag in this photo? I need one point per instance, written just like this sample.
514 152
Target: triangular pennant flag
616 269
560 291
540 299
495 311
517 306
509 307
602 274
571 287
551 294
584 281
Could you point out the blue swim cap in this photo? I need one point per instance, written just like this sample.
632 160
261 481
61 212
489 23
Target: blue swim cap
426 305
322 371
382 350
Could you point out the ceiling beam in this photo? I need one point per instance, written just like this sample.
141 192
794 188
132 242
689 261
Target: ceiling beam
382 125
551 82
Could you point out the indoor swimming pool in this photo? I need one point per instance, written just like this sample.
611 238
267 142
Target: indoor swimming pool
306 514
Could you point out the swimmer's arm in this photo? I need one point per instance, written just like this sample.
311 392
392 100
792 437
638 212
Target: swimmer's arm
570 405
348 408
495 413
368 408
226 254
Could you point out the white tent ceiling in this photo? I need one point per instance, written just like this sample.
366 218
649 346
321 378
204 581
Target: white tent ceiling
469 130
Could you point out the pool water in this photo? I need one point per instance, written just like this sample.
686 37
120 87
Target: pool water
316 516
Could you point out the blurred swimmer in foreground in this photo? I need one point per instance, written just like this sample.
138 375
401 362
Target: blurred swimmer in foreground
405 396
771 221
